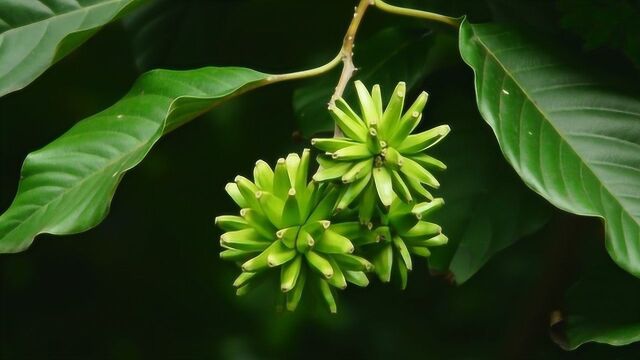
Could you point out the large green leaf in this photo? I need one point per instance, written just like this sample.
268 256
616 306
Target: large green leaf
389 56
66 187
571 137
34 34
487 207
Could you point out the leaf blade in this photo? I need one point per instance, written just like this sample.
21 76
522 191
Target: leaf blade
41 34
66 187
594 169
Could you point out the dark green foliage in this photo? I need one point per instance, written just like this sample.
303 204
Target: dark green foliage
604 24
148 283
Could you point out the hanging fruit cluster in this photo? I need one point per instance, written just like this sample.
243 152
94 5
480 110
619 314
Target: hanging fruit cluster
365 209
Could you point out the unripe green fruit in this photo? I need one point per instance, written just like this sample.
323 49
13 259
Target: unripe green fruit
327 233
403 232
285 226
378 154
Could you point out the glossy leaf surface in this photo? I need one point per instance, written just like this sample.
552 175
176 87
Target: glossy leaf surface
571 137
34 34
67 186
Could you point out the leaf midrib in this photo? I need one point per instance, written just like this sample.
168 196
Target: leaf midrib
560 134
50 18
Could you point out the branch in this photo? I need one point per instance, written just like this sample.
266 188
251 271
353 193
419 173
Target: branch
380 4
345 55
346 51
348 68
306 73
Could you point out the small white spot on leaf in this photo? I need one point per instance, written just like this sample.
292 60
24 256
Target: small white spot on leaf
505 92
530 132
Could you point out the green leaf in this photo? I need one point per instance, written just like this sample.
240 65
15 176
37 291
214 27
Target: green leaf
66 187
389 56
34 34
487 207
601 307
571 137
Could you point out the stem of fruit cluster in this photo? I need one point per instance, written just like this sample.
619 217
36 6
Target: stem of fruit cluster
345 55
348 68
380 4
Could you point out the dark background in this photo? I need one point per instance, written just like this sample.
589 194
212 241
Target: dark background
148 283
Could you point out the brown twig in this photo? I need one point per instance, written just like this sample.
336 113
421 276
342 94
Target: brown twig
348 68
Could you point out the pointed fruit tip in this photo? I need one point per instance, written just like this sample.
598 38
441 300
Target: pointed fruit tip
444 130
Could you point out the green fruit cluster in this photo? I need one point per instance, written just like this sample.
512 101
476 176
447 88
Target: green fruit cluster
286 223
364 210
